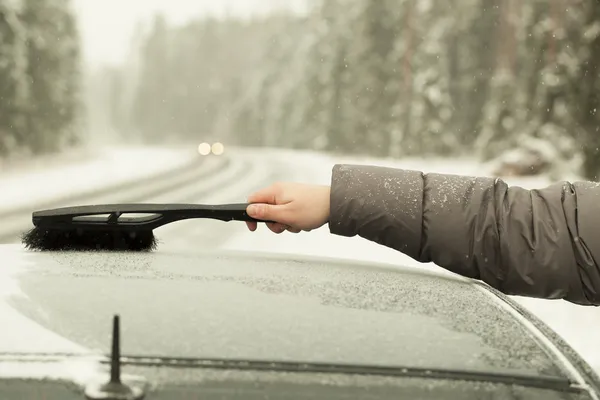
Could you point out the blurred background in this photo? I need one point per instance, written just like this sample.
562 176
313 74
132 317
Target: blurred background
111 100
383 78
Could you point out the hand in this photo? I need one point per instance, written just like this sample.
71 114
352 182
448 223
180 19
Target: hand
293 207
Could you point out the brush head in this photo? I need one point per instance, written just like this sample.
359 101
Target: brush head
117 227
77 239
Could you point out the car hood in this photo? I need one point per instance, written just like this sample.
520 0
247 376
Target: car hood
248 306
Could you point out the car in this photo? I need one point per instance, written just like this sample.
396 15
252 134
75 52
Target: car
243 325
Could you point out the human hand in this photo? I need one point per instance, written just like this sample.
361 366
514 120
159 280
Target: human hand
293 207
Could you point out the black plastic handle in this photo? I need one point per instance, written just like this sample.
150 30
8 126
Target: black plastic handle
114 216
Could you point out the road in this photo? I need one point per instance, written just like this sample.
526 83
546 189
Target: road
230 178
209 180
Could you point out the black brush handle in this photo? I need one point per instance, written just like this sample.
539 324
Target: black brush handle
159 214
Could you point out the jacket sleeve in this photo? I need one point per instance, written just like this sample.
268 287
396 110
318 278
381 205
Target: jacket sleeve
538 243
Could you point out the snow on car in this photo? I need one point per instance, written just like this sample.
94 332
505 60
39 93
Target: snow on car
230 324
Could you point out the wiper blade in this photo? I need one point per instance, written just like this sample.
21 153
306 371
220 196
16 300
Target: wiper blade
522 379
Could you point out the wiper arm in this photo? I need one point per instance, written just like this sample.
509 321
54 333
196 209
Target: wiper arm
116 360
522 379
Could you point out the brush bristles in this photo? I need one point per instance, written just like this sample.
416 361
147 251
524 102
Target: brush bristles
92 240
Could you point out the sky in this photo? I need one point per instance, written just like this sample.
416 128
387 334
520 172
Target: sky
106 26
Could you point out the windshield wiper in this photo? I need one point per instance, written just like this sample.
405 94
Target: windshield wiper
522 379
116 360
518 378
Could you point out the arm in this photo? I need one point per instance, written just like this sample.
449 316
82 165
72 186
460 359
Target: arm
538 243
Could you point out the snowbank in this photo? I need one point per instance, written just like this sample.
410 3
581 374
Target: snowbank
76 175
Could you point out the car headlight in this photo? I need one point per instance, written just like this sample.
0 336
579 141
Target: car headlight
204 149
217 149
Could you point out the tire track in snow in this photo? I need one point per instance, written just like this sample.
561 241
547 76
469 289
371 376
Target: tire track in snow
194 173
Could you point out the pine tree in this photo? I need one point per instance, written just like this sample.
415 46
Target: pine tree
152 99
500 97
13 80
53 69
379 29
588 106
431 107
321 112
547 69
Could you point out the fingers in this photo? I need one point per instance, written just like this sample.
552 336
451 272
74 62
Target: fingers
280 228
270 212
276 228
267 195
266 205
265 212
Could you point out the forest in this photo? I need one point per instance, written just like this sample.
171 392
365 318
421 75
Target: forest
385 78
41 107
389 78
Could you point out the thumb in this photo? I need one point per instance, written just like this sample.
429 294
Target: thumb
265 212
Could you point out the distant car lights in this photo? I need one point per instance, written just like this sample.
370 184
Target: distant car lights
217 149
205 149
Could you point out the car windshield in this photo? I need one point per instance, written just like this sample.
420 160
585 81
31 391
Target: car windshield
205 102
274 309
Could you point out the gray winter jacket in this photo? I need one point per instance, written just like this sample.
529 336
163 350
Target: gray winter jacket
538 243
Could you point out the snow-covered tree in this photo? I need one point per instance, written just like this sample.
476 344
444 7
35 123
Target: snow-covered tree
13 79
53 51
386 77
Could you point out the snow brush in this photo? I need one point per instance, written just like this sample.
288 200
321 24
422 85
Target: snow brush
108 227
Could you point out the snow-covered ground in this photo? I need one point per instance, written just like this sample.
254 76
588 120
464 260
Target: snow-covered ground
76 173
576 324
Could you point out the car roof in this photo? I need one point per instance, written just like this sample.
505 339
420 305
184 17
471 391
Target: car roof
283 308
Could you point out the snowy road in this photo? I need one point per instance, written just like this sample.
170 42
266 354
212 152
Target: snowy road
230 179
225 179
59 180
